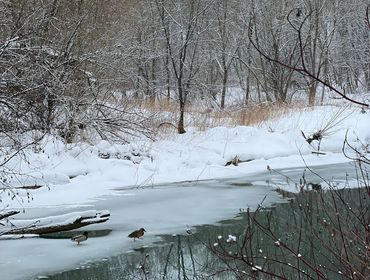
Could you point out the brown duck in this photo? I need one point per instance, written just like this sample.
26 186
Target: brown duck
80 238
137 233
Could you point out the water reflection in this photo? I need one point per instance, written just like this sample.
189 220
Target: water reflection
174 257
209 253
307 224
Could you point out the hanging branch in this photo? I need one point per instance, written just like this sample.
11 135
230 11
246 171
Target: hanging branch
303 68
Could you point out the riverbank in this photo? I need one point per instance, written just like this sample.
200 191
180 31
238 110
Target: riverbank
77 174
82 176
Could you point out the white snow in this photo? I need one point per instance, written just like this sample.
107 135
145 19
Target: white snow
231 238
74 176
53 221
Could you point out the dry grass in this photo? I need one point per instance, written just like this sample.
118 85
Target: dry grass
165 114
258 114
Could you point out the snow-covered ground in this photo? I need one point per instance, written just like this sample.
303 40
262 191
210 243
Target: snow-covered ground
80 176
77 173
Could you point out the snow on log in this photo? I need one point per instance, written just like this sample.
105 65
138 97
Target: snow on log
55 223
6 214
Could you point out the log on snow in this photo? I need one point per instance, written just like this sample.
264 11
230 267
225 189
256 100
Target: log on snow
6 214
56 223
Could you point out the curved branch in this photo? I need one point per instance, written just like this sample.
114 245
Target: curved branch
303 69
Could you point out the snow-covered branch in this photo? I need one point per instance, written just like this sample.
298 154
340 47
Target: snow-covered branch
54 223
6 214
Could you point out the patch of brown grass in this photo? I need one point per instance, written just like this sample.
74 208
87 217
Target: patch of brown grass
260 113
247 115
198 115
167 105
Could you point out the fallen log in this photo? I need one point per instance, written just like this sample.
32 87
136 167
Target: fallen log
55 223
318 153
6 214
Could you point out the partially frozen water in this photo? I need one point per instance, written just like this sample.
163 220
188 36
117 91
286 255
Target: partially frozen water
164 211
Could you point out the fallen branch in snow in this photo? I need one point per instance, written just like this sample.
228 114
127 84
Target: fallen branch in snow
236 160
7 214
55 223
318 153
315 136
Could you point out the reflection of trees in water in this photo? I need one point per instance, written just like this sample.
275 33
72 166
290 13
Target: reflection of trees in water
182 256
175 257
296 239
316 236
300 238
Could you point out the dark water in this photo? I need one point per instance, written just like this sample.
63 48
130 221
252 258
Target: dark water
296 223
312 235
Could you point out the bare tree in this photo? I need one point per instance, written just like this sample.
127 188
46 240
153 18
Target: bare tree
54 58
182 28
351 51
300 65
225 42
275 36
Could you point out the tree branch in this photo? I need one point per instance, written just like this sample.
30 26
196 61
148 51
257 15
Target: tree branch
7 214
303 69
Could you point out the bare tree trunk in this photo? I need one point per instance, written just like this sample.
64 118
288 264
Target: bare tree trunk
247 90
180 125
153 93
168 75
367 76
224 86
312 94
182 52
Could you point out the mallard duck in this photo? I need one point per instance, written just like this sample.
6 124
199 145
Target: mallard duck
80 238
137 233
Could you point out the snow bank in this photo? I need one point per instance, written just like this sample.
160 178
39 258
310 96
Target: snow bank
80 176
80 173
